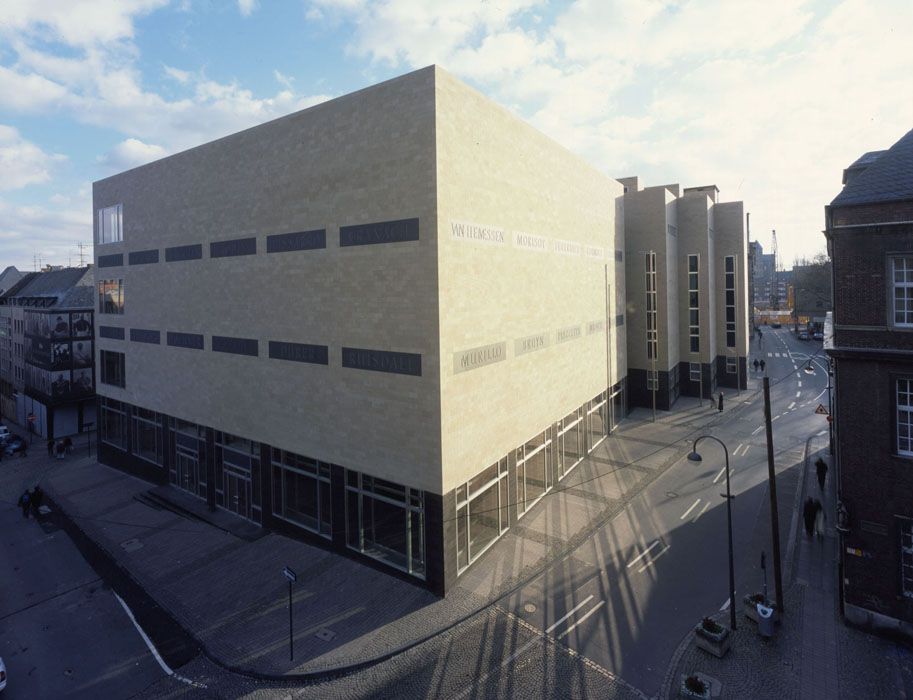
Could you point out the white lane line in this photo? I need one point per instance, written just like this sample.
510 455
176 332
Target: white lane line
757 430
792 405
642 554
800 384
720 475
798 394
822 432
745 451
774 418
725 606
688 512
741 445
653 560
573 610
701 511
592 610
152 648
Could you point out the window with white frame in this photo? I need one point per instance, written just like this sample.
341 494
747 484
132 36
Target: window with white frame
481 510
730 301
906 557
903 290
652 380
694 312
650 287
534 474
694 371
110 224
732 365
905 417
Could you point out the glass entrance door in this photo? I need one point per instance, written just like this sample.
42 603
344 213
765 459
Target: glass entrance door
237 493
187 471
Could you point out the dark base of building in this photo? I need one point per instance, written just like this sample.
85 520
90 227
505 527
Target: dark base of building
877 623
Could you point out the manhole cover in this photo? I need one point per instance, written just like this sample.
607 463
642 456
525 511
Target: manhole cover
131 545
530 607
671 494
325 634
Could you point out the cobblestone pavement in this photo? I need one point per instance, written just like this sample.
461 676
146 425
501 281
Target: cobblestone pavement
813 654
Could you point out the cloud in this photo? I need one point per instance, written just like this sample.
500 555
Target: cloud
22 163
51 232
131 153
181 76
246 7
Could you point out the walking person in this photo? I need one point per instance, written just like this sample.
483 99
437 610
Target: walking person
821 468
756 365
35 500
50 448
24 503
819 519
808 516
763 366
720 405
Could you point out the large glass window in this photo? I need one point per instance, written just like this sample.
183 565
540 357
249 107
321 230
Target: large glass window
301 491
386 521
905 416
650 287
113 368
730 300
481 509
571 442
113 423
903 291
597 421
148 441
237 462
111 296
694 312
110 224
188 457
533 471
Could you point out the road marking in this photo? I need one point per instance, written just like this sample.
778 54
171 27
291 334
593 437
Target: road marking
592 610
643 554
745 451
573 610
687 512
770 354
154 651
823 432
653 560
757 430
798 394
701 511
718 476
800 384
792 405
774 418
725 606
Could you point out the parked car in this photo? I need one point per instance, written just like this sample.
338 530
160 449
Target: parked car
803 335
818 335
15 444
2 674
776 325
4 434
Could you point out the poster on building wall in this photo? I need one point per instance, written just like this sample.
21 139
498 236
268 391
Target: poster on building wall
60 355
81 324
60 326
82 381
82 353
60 383
38 351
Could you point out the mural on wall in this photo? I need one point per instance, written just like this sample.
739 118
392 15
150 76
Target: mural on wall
60 353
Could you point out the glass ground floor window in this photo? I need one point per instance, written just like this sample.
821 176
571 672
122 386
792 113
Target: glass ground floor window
571 442
113 423
237 470
597 420
188 457
481 511
301 492
534 475
386 521
148 442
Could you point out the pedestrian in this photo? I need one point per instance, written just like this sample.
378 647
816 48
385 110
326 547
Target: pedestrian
35 500
24 503
808 516
821 468
720 405
819 519
51 448
763 366
756 365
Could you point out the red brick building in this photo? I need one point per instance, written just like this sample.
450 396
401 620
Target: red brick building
870 241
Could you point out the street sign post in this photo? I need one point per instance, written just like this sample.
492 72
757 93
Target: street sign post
821 410
292 578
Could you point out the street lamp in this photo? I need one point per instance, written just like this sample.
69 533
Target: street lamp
695 457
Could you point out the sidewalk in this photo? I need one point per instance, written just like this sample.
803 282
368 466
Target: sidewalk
230 594
813 654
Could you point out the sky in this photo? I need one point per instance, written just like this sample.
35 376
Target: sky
767 100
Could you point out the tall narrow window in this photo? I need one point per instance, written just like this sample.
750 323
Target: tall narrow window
111 296
694 312
481 509
906 556
110 224
903 291
730 300
113 368
905 416
650 287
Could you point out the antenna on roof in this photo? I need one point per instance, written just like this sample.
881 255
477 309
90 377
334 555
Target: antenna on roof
82 254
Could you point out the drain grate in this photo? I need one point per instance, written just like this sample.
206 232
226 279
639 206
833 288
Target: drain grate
325 634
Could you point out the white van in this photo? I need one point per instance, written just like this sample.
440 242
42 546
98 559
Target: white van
4 434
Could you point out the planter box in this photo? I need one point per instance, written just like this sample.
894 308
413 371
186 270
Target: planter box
751 611
716 644
685 693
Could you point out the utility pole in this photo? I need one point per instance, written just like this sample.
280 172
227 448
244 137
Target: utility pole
82 253
772 483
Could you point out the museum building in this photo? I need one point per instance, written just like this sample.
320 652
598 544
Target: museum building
389 324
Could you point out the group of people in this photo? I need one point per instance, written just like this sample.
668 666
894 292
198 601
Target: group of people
60 448
30 501
813 510
759 364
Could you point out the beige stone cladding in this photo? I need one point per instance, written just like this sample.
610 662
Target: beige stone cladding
527 234
649 213
695 224
729 230
363 158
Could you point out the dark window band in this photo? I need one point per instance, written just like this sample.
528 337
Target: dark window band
143 257
184 252
299 352
115 260
230 249
382 232
302 240
112 332
382 361
235 346
141 335
193 341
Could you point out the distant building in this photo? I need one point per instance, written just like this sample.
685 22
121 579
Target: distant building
811 293
686 291
869 229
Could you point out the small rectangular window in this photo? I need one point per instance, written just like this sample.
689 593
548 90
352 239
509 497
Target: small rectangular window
111 296
904 405
694 371
113 368
732 365
110 224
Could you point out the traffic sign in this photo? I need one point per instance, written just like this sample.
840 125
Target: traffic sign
821 410
289 574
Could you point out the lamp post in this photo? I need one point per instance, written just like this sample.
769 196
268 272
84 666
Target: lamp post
695 457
